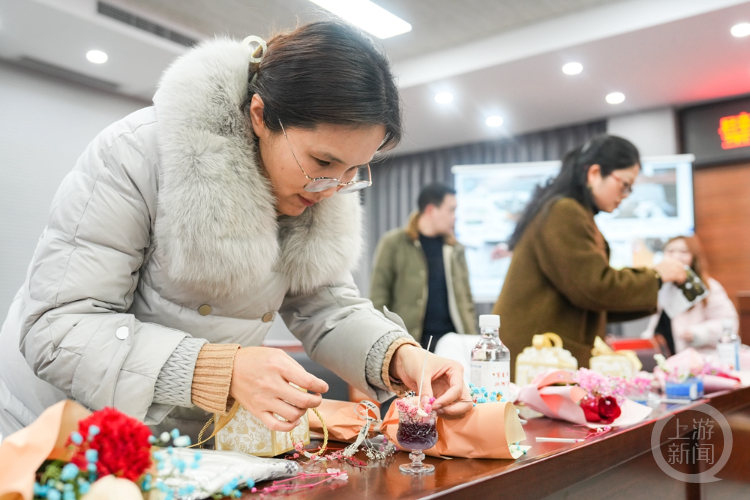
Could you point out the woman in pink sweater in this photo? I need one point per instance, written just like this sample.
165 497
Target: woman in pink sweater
701 325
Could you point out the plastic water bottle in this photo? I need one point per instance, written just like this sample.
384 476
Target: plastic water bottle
490 359
728 347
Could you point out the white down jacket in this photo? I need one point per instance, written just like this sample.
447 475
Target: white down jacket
167 211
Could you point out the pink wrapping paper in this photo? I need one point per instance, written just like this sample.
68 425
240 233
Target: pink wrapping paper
553 401
23 452
561 402
714 383
691 360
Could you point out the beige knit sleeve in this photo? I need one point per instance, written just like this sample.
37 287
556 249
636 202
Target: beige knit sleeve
213 377
395 386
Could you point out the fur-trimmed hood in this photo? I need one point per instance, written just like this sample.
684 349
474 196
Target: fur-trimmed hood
216 225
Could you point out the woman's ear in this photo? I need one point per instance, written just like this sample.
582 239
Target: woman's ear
594 175
256 116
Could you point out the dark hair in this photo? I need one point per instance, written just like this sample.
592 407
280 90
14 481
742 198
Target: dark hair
326 72
433 194
608 151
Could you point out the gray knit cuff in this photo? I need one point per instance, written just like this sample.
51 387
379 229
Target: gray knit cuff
376 358
173 385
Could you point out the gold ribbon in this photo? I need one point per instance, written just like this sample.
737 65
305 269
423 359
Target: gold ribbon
602 349
547 340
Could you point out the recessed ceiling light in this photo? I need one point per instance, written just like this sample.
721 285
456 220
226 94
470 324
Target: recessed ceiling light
572 68
368 16
96 56
494 121
740 30
444 97
615 97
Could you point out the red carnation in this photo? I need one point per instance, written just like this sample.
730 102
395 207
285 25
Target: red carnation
122 444
598 409
608 409
590 408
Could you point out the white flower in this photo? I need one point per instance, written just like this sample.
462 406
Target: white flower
337 474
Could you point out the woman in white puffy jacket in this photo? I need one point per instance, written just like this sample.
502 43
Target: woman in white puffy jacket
701 325
186 227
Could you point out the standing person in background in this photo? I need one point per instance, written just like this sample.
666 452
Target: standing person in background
701 325
420 271
559 279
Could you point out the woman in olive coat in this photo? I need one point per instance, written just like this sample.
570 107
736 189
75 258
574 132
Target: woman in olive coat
559 279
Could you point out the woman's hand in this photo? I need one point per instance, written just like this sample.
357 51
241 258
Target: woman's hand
443 378
685 335
671 270
260 382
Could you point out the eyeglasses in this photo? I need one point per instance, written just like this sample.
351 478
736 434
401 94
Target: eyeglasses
627 187
346 184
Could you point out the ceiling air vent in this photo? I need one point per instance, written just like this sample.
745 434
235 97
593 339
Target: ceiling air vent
136 21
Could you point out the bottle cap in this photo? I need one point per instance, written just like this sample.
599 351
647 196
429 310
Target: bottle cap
489 321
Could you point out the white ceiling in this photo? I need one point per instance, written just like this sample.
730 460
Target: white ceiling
496 57
437 24
670 64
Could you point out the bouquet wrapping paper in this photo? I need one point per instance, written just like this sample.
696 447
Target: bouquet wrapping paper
561 402
487 431
23 452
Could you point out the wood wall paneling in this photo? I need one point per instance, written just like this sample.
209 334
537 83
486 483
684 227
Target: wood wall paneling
722 222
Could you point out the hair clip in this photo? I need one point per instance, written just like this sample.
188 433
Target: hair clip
261 44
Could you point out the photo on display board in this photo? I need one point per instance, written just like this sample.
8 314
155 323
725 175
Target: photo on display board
492 197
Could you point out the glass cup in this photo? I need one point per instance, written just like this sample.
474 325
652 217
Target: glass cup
417 433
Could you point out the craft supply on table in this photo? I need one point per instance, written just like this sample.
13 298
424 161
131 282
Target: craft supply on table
584 397
199 474
690 389
421 412
546 352
558 440
417 431
487 431
605 360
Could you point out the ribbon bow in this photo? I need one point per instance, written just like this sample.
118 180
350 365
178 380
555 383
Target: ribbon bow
546 340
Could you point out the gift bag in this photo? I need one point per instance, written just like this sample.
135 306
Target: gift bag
546 352
242 431
604 360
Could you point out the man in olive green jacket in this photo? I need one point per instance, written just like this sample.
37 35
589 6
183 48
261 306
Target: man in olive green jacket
420 271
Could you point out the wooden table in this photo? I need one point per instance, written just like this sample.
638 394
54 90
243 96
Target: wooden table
616 465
